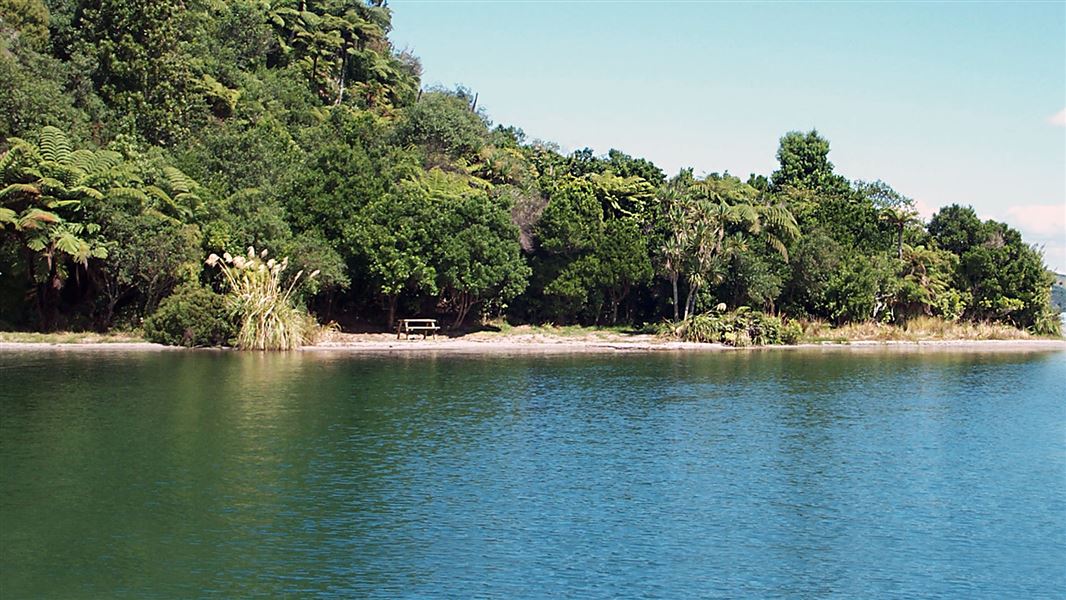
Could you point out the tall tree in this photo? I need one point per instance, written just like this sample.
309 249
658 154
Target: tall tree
804 162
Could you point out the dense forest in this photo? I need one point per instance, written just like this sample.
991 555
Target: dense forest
140 138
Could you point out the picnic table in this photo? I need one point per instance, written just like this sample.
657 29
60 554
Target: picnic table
406 327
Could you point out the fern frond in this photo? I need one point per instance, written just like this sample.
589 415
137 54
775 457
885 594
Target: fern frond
84 190
82 160
69 243
15 189
177 181
54 144
105 160
128 193
62 203
20 150
53 187
66 173
778 245
35 217
166 201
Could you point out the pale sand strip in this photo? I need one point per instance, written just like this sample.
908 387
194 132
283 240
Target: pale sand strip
546 345
580 346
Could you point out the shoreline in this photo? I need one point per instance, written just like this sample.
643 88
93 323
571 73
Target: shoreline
564 346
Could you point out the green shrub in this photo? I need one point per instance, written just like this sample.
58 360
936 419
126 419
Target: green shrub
791 333
192 316
742 327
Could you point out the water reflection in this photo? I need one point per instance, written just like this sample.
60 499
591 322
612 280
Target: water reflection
747 474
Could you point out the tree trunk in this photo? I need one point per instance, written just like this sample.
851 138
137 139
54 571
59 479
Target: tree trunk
690 300
344 68
392 310
899 245
463 307
673 283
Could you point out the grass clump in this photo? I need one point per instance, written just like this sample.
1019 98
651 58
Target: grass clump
262 303
69 337
917 329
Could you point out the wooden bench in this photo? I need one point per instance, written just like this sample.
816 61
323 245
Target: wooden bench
407 327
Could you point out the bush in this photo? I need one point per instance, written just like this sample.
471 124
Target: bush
192 316
791 333
742 327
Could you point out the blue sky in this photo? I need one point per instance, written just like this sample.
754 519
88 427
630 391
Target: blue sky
947 102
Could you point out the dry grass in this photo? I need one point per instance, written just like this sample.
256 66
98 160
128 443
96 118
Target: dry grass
314 333
916 330
70 337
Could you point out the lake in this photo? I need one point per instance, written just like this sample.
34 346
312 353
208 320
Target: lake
737 474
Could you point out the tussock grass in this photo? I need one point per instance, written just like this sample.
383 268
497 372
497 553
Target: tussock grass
562 331
916 330
263 303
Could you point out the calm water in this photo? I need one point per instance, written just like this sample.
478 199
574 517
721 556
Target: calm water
765 474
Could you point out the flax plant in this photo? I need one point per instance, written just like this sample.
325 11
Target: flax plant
262 302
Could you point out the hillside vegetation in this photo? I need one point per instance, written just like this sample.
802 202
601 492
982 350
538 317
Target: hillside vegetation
139 138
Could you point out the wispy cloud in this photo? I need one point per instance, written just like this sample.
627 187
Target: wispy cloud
1043 220
1043 225
1058 118
925 210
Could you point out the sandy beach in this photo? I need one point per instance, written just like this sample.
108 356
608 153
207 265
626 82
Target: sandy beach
602 342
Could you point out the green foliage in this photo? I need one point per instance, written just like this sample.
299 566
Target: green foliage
142 71
1005 277
482 261
924 285
626 166
957 229
26 18
148 254
804 163
394 237
34 92
592 255
44 184
859 289
444 125
192 316
814 260
741 327
341 48
713 220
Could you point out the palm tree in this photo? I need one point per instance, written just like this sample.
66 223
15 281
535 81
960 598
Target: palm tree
719 214
675 246
900 217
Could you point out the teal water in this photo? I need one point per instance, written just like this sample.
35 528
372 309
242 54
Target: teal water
762 474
